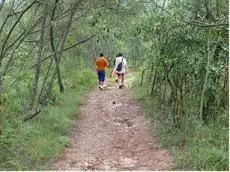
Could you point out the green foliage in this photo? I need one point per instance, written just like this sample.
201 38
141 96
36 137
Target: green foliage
186 81
80 78
182 47
196 145
31 145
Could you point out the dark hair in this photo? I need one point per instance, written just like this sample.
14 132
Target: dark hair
120 54
101 54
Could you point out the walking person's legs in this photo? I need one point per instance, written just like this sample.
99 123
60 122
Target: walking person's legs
120 79
101 78
99 81
117 79
103 82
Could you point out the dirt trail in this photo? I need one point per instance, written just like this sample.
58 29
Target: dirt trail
112 134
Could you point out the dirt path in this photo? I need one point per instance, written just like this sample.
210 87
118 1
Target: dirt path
112 134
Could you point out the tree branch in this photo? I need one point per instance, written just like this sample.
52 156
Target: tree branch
192 22
12 28
65 49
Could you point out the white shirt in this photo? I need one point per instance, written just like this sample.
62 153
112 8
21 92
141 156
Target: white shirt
124 63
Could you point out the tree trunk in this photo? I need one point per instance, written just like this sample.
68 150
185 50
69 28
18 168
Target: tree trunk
44 82
210 55
58 57
55 56
38 61
154 81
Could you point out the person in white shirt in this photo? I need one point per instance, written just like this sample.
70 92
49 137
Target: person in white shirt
120 69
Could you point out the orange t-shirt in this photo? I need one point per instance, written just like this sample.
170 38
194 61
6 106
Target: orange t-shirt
102 63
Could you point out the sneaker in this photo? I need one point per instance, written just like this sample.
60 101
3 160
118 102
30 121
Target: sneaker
120 87
116 80
100 87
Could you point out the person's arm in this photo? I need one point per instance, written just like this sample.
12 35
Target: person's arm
114 69
107 63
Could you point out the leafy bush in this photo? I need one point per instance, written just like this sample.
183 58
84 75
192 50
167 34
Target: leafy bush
195 146
30 145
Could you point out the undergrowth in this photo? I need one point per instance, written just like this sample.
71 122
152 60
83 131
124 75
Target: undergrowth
194 146
31 145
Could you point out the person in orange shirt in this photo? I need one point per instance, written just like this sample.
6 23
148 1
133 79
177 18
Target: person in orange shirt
101 65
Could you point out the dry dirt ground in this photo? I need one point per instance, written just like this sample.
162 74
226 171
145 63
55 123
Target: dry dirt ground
112 133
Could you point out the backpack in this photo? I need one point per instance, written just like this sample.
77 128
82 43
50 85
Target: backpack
119 66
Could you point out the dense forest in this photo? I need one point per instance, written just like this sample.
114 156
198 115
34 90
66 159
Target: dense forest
177 49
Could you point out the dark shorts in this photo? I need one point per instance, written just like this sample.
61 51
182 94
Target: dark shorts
101 75
119 75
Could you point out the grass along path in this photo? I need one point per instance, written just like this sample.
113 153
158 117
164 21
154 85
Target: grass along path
112 133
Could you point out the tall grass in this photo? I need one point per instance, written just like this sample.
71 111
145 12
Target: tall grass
194 146
31 145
